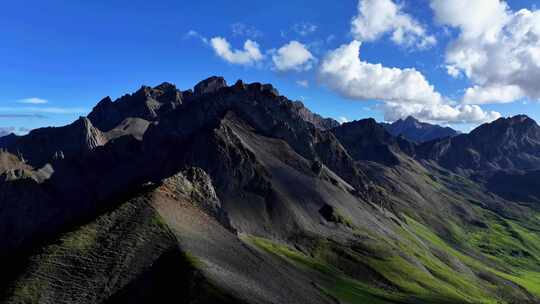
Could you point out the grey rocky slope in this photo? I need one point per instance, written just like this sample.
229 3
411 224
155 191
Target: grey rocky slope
243 196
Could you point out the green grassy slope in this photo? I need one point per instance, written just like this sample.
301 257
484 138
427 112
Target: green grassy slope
453 244
422 268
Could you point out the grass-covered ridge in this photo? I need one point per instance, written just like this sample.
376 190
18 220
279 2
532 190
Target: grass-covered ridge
335 282
127 255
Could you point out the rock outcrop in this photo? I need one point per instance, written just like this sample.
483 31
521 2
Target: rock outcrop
195 187
147 103
210 85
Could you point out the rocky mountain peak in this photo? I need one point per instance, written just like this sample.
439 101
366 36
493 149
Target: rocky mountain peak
165 87
368 140
217 87
42 146
210 85
257 87
522 119
239 85
92 137
104 102
410 119
147 103
167 93
416 131
518 120
364 129
519 125
144 91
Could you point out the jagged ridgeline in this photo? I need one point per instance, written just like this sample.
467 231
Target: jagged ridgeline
235 194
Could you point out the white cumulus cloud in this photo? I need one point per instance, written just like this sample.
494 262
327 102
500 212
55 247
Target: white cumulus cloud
404 91
439 113
293 56
497 49
344 72
478 18
248 56
379 17
493 94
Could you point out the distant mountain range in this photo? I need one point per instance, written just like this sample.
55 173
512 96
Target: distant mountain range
416 131
236 194
507 143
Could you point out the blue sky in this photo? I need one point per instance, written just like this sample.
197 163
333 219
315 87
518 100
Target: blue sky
59 58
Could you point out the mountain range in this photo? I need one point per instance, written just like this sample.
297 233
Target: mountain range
418 132
236 194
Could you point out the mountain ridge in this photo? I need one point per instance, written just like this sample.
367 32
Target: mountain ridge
418 132
507 143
